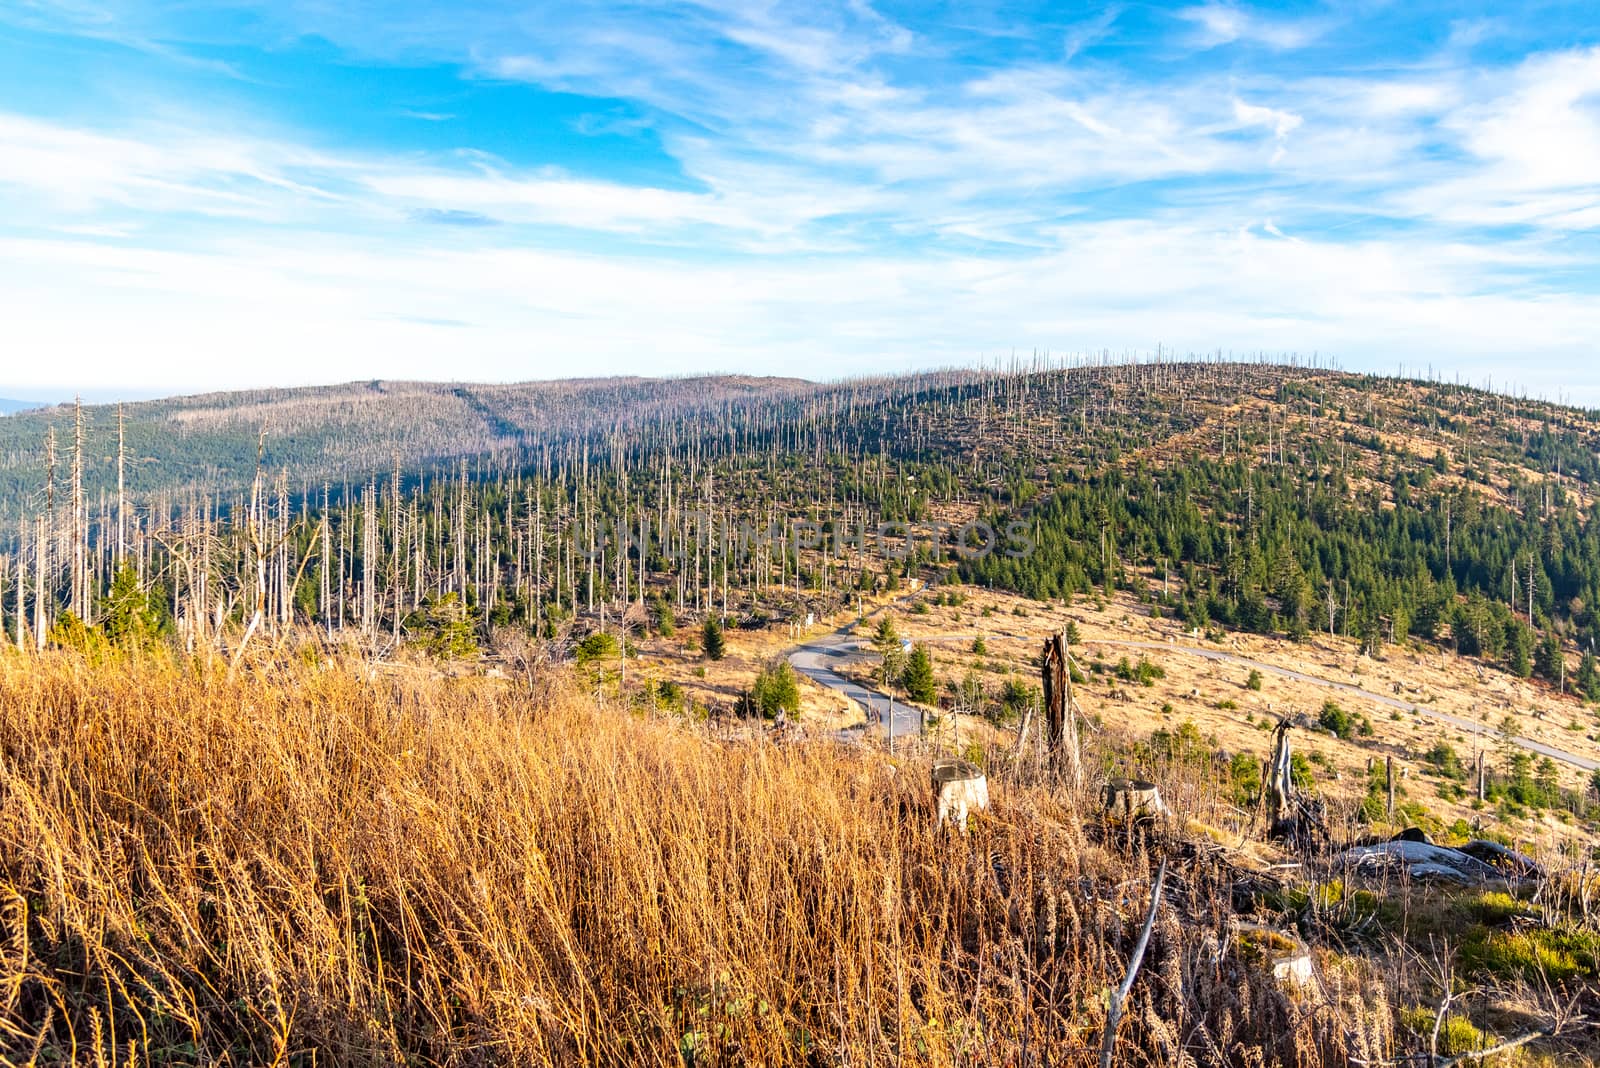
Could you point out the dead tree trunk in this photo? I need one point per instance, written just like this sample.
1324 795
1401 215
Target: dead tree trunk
1294 816
1280 775
1061 729
1388 779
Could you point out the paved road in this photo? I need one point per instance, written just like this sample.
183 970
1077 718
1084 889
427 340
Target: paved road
816 658
1471 726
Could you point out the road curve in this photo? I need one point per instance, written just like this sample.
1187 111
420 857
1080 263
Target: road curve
814 660
815 657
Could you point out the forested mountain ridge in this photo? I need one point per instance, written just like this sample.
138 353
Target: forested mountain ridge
1373 508
343 433
1278 499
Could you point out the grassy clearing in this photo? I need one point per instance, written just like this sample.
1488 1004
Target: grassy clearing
305 864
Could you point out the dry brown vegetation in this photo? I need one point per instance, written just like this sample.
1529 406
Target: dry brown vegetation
304 864
1214 695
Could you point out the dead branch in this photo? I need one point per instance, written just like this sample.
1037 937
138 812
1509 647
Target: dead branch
1120 996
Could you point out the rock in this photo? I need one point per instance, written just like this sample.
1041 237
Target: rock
1419 860
1282 953
1508 862
1294 970
961 789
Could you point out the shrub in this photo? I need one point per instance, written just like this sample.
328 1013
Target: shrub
666 621
776 690
1300 771
1184 744
597 648
1445 761
70 632
1016 695
1253 681
450 634
126 616
1144 673
1457 1035
1244 776
1335 720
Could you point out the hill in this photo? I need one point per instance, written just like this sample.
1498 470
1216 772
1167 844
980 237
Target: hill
1269 499
342 434
545 701
7 406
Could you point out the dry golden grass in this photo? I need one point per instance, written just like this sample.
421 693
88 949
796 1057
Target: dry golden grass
305 865
1214 696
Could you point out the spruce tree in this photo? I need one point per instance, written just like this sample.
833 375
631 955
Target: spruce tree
1588 679
776 690
1547 658
918 677
712 641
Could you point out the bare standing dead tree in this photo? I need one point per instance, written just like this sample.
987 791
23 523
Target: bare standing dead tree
1061 725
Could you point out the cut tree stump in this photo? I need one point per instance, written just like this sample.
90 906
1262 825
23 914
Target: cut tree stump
961 789
1132 800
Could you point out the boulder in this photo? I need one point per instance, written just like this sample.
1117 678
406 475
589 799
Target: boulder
1419 860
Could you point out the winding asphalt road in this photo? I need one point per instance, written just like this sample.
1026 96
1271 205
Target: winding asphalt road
816 658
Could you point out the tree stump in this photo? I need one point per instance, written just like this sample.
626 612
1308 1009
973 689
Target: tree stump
1132 800
961 788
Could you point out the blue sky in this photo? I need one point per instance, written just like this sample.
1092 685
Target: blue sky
207 196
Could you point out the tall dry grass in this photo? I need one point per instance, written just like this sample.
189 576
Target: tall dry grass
306 865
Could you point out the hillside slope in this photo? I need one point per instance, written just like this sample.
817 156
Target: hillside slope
343 433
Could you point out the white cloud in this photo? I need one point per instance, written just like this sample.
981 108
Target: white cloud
826 215
1531 139
161 170
1220 24
307 311
1281 123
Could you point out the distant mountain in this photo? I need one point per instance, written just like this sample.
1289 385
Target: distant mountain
7 406
349 433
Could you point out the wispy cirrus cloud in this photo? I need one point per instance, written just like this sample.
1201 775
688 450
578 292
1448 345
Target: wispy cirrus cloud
843 186
1221 24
